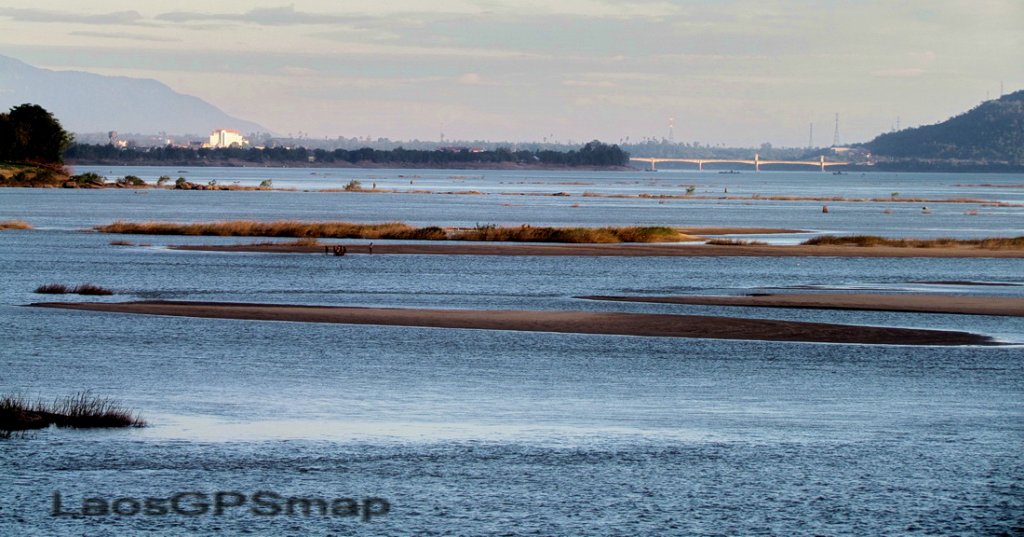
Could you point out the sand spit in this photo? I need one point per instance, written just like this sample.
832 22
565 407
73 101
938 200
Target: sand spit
576 322
612 249
922 303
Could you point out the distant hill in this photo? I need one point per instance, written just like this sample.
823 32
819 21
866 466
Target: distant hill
86 102
991 133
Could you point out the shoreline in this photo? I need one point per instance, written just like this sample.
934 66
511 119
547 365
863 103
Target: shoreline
573 322
608 249
914 303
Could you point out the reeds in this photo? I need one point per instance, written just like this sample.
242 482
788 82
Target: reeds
83 289
15 224
401 231
80 411
867 241
85 411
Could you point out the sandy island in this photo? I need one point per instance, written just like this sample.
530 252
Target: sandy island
577 322
934 303
612 249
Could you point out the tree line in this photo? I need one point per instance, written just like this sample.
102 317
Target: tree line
594 153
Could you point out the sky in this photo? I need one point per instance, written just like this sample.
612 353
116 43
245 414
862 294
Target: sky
726 72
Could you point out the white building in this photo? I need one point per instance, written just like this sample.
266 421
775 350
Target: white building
227 138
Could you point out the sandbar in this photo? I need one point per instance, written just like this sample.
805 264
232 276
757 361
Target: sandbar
610 249
922 303
576 322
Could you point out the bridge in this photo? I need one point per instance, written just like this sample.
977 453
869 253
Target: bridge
756 163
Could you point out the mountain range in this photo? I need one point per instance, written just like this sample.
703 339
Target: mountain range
89 103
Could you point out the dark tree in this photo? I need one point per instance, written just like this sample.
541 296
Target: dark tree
30 133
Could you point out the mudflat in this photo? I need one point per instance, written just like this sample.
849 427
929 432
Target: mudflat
611 249
577 322
924 303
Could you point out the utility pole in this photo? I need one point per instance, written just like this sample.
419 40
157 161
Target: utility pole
835 136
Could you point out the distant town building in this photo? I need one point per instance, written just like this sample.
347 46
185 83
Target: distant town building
227 138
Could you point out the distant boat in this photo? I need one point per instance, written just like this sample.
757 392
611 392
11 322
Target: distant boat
730 172
838 173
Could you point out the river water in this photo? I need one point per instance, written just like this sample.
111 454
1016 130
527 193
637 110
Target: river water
471 432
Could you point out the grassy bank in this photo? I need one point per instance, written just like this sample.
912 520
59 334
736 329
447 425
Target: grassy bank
81 411
867 241
401 231
15 174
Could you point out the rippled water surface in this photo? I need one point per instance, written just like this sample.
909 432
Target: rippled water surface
471 432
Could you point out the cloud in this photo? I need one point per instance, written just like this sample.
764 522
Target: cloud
588 83
907 72
273 16
126 36
471 79
41 15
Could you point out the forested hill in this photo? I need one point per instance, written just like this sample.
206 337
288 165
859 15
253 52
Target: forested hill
991 133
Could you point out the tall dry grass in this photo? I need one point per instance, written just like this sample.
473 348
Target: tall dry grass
280 228
400 231
81 411
15 224
867 241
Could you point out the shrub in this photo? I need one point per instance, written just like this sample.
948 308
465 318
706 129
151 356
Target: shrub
164 179
353 186
130 180
89 178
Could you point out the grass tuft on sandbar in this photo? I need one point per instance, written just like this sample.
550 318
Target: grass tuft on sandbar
401 231
15 224
867 241
83 289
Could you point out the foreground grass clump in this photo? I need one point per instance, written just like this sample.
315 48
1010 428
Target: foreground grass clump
84 289
15 224
994 243
80 411
401 231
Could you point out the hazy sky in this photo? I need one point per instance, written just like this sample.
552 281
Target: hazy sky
729 72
